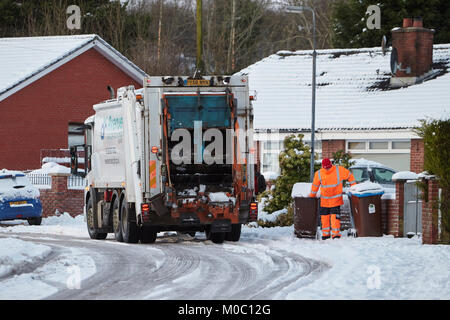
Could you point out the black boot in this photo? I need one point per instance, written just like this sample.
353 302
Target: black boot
325 237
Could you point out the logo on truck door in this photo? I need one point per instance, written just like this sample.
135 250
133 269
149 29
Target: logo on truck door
111 128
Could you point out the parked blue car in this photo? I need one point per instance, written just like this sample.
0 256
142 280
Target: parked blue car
19 199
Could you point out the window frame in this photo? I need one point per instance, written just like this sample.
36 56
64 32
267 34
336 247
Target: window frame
368 150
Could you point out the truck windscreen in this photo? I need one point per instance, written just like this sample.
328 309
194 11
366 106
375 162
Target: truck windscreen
212 110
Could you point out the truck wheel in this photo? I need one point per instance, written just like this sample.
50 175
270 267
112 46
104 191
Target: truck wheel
217 237
130 230
235 233
92 230
116 220
36 221
148 235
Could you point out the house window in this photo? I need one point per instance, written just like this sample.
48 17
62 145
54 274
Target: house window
378 145
75 134
270 162
273 145
406 145
357 145
317 144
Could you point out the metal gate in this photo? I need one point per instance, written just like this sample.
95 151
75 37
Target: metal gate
412 209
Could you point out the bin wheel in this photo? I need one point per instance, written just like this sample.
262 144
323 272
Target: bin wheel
352 233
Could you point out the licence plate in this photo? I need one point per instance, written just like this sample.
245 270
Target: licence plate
15 203
197 82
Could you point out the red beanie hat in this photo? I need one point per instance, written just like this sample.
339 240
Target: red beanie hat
326 163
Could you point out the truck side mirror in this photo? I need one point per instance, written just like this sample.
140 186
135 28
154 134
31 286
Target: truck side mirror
73 160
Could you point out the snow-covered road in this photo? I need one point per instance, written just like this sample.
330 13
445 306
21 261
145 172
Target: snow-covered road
38 262
177 267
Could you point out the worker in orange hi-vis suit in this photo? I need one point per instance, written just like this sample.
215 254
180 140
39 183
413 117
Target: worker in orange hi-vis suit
330 179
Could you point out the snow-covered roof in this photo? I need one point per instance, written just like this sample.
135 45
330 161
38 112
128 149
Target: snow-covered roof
26 59
352 91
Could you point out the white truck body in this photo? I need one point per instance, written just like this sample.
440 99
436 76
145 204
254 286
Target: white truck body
130 140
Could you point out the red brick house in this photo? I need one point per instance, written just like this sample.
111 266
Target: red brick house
368 101
47 88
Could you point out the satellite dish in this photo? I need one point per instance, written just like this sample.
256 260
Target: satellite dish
383 45
394 60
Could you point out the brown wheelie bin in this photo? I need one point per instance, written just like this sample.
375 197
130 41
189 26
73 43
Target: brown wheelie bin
306 217
366 211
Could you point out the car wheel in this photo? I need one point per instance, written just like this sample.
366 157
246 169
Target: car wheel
92 230
130 230
36 221
116 220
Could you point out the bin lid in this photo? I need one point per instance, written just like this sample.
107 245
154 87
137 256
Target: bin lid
368 194
302 190
366 189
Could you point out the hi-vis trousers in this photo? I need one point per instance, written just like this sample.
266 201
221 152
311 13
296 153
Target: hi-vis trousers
331 222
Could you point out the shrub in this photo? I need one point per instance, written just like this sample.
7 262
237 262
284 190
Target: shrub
436 139
294 165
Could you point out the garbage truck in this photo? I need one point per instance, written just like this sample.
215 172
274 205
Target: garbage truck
175 155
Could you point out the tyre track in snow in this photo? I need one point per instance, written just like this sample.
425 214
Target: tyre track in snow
188 269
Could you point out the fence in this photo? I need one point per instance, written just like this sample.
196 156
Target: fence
44 181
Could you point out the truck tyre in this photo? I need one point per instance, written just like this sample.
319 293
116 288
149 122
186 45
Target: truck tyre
235 233
116 220
92 230
217 237
130 230
36 221
148 235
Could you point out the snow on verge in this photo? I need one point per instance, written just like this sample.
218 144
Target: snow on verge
15 252
364 268
62 224
68 270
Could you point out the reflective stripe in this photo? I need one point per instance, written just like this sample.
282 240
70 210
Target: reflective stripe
316 185
332 185
333 197
327 228
339 181
313 191
320 178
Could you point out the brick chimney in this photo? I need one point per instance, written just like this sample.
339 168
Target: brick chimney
412 52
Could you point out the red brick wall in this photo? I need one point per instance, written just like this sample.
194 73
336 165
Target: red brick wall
60 198
430 213
388 208
394 208
37 116
417 155
331 146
